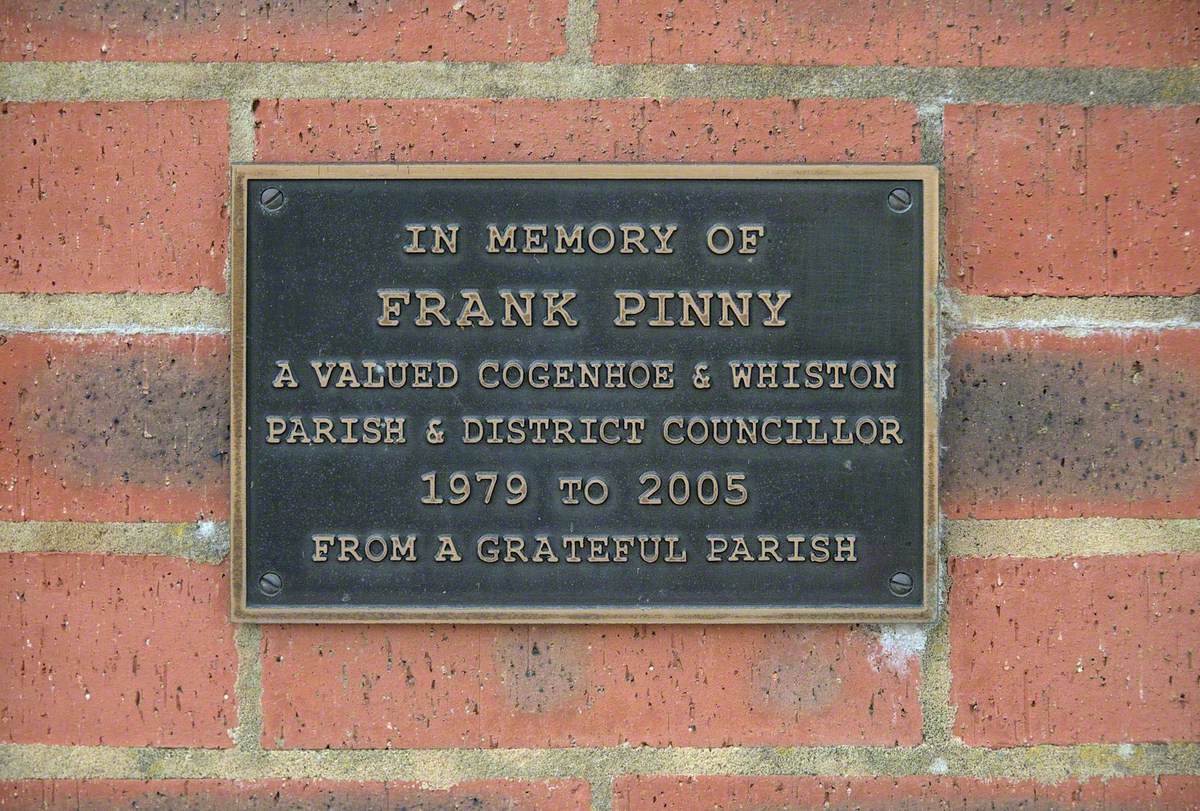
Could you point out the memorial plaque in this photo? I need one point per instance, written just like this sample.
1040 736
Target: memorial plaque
579 393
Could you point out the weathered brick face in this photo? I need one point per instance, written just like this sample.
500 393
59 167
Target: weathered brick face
242 31
1041 424
973 33
1072 200
1075 650
108 197
115 650
901 794
694 130
472 686
114 428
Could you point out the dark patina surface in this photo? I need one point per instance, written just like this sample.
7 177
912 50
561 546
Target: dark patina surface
852 254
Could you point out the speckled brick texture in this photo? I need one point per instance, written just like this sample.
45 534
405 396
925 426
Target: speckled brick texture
109 197
291 795
636 793
1043 424
115 650
114 427
1017 33
1080 201
871 131
488 686
310 31
1076 650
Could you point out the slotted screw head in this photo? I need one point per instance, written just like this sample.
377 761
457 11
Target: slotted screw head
901 584
271 199
900 200
270 584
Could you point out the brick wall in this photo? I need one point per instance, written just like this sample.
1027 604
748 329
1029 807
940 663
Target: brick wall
1063 671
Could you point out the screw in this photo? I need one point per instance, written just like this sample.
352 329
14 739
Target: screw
900 200
270 584
901 584
271 199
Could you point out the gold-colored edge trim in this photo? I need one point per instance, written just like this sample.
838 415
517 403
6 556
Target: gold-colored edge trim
243 173
552 171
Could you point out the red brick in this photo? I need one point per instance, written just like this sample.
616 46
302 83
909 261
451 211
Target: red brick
290 795
1042 424
114 427
487 686
1020 33
1073 200
115 650
104 197
1164 793
617 130
1075 650
245 31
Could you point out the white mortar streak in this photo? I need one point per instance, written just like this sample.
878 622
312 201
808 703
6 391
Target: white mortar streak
440 768
201 311
1075 327
248 636
580 31
113 329
931 116
569 78
1071 537
207 542
603 788
937 709
248 689
1080 314
241 131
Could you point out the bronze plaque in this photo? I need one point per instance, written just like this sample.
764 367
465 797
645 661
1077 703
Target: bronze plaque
580 393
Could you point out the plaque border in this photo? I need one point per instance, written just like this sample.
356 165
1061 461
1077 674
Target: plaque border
242 173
